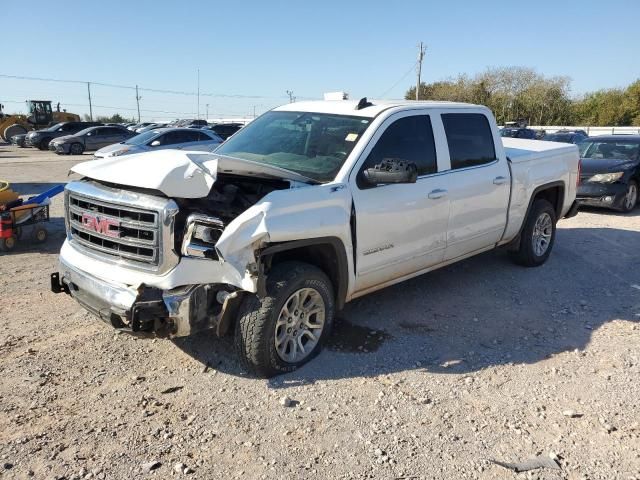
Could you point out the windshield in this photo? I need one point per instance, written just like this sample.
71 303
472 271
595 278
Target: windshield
610 149
53 128
312 144
142 138
85 131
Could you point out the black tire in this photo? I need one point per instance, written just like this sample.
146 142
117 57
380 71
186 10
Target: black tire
256 325
11 130
627 205
44 144
8 244
526 254
40 235
76 149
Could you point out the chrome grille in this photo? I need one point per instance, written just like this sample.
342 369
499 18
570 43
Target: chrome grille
136 238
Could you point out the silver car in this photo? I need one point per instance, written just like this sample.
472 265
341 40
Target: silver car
92 138
161 139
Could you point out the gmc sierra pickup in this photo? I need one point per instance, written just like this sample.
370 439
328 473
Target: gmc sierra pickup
309 206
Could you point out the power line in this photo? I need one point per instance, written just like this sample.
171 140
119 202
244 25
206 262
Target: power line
401 79
153 90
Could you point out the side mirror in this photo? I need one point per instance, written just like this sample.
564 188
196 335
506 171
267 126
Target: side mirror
391 170
155 143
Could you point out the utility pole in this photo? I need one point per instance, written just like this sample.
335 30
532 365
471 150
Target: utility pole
138 97
254 111
198 94
420 58
207 112
90 106
291 97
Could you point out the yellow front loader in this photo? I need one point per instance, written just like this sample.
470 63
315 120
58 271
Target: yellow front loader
40 116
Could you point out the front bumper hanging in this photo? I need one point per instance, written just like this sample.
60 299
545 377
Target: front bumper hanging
166 313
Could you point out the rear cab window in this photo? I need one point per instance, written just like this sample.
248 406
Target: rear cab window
469 138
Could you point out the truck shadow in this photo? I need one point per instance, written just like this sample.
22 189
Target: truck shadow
473 315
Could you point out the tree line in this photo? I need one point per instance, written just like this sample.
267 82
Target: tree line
519 93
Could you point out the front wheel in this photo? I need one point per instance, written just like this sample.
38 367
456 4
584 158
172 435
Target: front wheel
630 198
285 329
538 235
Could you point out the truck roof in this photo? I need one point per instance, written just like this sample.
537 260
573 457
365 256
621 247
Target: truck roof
348 107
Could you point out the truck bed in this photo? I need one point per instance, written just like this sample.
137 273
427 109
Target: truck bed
535 163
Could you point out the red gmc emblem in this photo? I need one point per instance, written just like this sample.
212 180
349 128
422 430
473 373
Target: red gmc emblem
105 226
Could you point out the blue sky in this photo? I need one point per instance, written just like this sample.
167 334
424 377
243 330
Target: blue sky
263 48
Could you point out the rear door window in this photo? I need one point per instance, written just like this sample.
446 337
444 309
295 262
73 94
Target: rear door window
469 138
182 136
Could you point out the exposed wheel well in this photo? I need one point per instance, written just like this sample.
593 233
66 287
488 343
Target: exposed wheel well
554 195
328 255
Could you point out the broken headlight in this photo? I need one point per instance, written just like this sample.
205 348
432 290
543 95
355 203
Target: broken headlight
201 235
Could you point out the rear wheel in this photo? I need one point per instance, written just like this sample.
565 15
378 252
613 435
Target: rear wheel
40 235
285 329
538 235
76 149
631 197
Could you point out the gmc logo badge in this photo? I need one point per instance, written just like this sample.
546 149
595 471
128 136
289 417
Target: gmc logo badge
105 226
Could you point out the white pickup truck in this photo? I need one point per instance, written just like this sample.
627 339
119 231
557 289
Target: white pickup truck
306 208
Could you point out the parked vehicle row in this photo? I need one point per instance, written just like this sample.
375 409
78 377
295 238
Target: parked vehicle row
561 136
84 139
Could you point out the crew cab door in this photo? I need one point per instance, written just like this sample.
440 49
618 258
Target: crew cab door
478 183
400 228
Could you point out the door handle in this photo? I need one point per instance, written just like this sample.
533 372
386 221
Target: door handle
500 180
437 193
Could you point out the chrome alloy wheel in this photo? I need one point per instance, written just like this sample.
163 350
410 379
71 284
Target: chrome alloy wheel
542 231
299 325
631 198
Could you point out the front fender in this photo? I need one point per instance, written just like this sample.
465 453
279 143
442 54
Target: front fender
287 215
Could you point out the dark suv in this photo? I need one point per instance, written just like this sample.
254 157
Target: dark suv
567 136
41 138
518 133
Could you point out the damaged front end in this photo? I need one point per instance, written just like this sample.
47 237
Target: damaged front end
178 312
176 254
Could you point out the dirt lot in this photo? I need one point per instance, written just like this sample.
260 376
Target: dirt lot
433 378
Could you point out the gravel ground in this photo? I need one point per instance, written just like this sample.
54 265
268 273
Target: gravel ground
432 378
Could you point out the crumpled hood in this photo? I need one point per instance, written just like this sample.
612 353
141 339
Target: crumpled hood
173 172
176 173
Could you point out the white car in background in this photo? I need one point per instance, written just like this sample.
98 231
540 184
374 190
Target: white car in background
162 139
